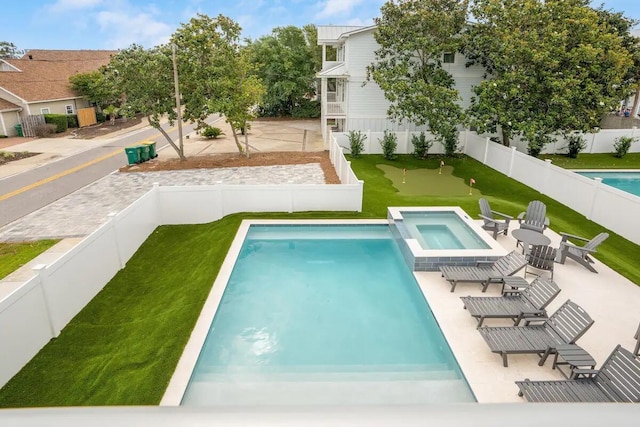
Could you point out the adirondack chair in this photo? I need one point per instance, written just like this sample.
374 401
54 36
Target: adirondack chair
564 326
577 253
530 302
496 225
484 272
535 217
540 258
618 380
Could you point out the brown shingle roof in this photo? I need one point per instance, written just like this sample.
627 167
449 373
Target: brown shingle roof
46 76
6 105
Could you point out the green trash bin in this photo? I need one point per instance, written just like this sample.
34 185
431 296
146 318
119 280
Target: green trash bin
152 149
18 129
133 155
144 152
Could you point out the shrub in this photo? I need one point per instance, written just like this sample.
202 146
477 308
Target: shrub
72 120
211 132
306 109
100 117
622 145
60 120
389 144
356 142
44 130
575 144
420 145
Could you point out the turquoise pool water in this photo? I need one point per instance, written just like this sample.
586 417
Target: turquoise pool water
324 314
625 181
441 230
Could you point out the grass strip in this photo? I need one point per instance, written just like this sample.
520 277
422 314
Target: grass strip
15 255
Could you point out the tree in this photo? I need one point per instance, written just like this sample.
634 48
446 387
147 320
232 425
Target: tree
146 77
215 75
413 36
287 62
96 88
9 50
553 67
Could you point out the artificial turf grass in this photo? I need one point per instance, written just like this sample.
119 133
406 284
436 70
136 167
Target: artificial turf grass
123 347
426 182
15 255
595 161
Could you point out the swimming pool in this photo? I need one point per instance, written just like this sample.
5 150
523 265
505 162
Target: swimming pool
323 314
625 181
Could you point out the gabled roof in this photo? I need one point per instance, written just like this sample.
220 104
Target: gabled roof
333 33
6 105
46 75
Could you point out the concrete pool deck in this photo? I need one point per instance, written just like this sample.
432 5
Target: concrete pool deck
610 299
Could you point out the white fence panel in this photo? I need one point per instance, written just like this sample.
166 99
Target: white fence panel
499 157
570 189
474 145
529 171
256 198
135 223
24 328
76 277
327 198
618 211
190 204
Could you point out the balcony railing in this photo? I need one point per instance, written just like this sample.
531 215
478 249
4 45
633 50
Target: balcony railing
336 109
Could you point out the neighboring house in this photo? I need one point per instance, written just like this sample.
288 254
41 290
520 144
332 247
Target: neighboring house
38 83
349 101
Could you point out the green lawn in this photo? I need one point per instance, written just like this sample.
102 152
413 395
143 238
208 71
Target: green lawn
15 255
595 161
122 348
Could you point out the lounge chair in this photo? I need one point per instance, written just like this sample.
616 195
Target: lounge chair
564 326
636 351
580 253
496 225
530 302
541 258
618 380
535 217
484 272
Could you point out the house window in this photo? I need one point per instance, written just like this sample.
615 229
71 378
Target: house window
449 58
45 111
69 108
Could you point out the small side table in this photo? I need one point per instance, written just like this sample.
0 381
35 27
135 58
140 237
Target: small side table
575 357
527 238
513 284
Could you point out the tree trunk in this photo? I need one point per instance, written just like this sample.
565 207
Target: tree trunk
179 150
235 136
506 137
246 139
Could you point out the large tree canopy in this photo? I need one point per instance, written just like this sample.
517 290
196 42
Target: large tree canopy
287 62
413 36
553 67
9 50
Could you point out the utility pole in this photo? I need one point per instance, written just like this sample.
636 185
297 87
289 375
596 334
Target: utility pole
178 107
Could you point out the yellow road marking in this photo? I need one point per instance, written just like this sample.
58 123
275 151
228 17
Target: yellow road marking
74 169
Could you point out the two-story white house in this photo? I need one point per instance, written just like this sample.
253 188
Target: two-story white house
350 104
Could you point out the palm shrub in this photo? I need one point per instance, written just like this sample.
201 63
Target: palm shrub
420 145
356 142
389 143
575 144
210 132
622 145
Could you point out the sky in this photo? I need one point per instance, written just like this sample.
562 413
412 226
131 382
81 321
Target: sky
116 24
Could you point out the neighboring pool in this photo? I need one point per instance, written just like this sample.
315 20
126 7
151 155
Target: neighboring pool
323 314
625 181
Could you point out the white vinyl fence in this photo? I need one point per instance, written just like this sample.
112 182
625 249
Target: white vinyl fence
41 307
614 209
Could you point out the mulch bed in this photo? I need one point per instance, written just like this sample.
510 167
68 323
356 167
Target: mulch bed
8 156
237 160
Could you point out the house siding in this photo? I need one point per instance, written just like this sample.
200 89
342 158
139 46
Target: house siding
57 107
9 120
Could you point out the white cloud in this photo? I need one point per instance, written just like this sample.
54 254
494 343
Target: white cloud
336 7
74 4
121 30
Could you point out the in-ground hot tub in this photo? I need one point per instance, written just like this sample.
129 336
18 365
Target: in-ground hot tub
433 236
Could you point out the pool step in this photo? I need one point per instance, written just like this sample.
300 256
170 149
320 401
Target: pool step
230 393
365 376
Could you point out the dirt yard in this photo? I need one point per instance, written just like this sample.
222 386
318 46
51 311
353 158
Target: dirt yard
236 160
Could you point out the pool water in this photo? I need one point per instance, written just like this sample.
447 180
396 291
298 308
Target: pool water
324 314
625 181
441 230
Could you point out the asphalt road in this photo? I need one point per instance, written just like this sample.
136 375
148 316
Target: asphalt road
52 181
